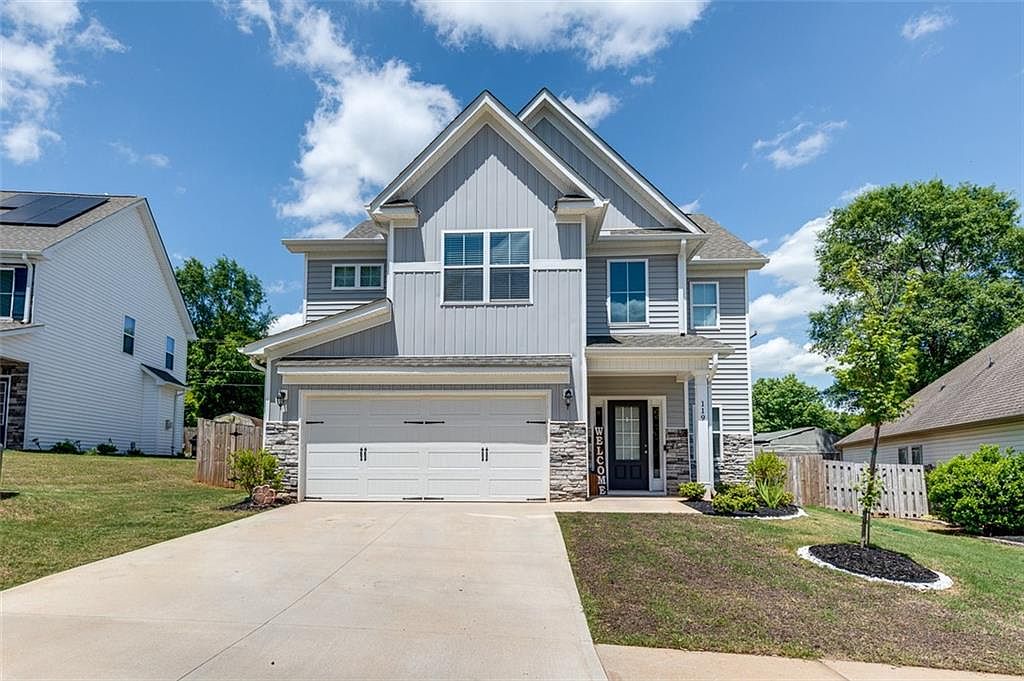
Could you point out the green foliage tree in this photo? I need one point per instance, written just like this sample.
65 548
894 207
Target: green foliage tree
788 402
877 367
229 309
965 242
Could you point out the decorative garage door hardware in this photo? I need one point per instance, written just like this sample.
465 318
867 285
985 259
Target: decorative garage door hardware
542 423
424 423
362 453
485 453
310 423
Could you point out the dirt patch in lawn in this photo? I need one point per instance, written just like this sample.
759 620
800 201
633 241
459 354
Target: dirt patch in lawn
704 583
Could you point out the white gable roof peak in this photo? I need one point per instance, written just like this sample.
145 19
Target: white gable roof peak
545 102
485 108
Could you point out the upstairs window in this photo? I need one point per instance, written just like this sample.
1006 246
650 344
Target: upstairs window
704 304
463 267
510 266
627 291
169 354
357 276
12 292
128 336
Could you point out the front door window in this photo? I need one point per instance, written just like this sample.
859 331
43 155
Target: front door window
629 445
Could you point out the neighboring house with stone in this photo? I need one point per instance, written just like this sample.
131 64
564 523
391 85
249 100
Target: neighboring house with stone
93 329
523 310
980 402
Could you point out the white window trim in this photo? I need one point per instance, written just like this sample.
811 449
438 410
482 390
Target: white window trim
359 274
173 352
486 266
10 315
717 434
718 306
910 455
608 293
133 334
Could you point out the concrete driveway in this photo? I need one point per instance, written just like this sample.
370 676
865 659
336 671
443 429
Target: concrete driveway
316 591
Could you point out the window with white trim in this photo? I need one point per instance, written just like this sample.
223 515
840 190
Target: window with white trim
13 281
704 304
901 455
627 291
716 432
917 455
490 265
357 276
169 354
128 335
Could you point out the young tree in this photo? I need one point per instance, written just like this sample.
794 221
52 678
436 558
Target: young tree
228 308
877 367
965 242
788 402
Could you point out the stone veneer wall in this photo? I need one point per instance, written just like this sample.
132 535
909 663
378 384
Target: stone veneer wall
17 401
281 438
569 468
737 452
677 459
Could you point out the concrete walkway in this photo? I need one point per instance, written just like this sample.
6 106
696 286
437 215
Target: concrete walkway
627 663
316 591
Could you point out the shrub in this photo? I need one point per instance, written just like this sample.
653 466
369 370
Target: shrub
253 468
768 471
107 447
692 491
770 495
132 450
66 447
735 498
983 493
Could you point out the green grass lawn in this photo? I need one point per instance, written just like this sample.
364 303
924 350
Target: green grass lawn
720 584
73 509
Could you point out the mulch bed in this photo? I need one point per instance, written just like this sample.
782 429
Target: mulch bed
873 562
761 512
248 505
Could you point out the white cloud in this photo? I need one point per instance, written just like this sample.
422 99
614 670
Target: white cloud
691 207
799 145
926 23
36 39
779 356
133 157
793 262
768 309
370 121
851 194
758 243
324 230
641 79
179 190
282 286
285 322
593 108
609 34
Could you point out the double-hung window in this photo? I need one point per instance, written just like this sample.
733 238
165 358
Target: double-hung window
169 354
704 304
357 276
491 266
128 335
627 291
917 455
716 432
12 292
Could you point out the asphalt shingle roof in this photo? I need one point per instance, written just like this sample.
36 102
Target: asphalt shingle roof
366 229
657 340
721 243
986 387
38 238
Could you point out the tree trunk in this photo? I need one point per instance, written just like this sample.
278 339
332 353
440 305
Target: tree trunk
865 517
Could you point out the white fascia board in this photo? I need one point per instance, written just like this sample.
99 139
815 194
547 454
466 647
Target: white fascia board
656 352
532 111
18 330
299 375
333 246
336 326
577 208
20 256
485 104
742 263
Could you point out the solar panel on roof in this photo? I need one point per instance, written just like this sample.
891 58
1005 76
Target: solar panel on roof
19 200
50 210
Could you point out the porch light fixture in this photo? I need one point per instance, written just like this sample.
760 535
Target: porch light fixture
282 397
567 396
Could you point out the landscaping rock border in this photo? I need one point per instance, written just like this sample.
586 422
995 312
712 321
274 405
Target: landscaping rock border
940 584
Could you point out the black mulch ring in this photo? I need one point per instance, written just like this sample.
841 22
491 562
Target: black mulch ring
248 505
873 562
761 512
7 494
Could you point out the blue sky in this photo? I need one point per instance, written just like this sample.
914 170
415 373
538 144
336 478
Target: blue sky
246 123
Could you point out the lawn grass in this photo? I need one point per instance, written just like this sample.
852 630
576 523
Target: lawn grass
71 509
721 584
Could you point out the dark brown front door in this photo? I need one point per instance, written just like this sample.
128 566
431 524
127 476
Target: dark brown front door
627 444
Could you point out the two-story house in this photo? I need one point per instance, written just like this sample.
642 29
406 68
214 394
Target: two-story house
523 310
93 329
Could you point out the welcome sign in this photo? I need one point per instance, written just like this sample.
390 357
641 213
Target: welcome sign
599 461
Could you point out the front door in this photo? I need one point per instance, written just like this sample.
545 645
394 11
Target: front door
627 441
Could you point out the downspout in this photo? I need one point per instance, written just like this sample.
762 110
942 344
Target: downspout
26 314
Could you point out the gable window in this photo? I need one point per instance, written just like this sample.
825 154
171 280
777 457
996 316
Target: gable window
704 304
357 276
128 335
12 292
169 354
627 291
491 266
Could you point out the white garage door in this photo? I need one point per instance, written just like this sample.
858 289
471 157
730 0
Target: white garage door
457 448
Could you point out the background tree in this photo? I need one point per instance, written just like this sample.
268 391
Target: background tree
877 368
228 308
788 402
966 243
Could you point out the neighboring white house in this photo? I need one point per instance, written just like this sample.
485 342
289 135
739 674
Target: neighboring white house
93 329
979 402
522 314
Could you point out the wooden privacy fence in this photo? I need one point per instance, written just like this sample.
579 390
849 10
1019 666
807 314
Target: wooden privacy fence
215 441
831 484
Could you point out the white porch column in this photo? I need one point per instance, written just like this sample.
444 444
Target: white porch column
702 428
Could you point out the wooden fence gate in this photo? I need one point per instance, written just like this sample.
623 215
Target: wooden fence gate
815 482
215 441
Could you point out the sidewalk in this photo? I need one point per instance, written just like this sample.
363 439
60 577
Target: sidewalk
626 663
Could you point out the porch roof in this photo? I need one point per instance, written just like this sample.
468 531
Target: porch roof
658 341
